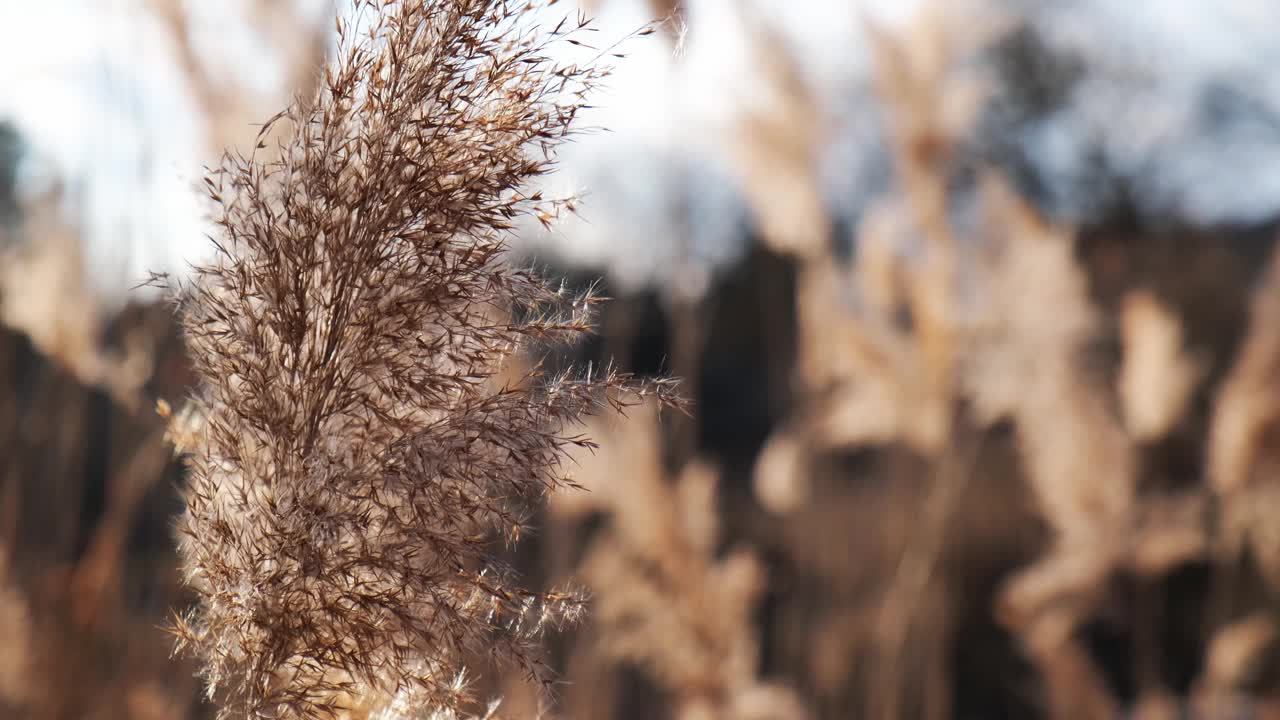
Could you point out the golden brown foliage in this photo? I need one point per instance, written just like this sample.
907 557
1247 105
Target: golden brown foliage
361 439
663 595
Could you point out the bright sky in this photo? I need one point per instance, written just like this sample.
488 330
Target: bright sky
94 86
108 113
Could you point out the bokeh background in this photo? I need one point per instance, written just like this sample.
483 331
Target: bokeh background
977 303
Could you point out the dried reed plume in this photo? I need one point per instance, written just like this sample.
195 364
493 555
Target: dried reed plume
664 595
364 432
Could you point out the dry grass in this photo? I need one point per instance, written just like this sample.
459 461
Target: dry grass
665 595
351 340
986 465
